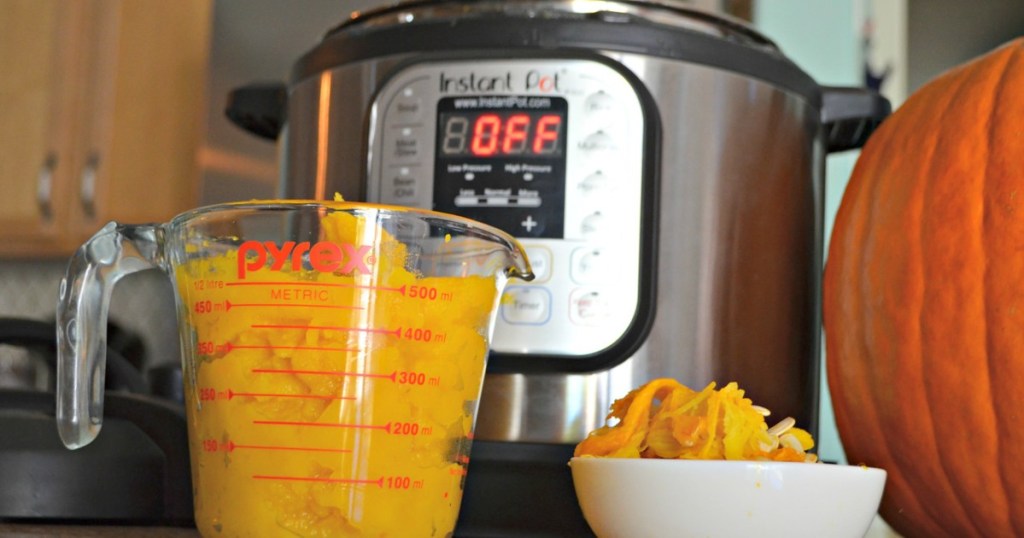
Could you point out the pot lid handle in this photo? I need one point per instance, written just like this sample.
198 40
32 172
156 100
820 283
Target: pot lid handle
850 115
260 108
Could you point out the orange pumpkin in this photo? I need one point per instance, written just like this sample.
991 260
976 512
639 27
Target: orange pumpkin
924 304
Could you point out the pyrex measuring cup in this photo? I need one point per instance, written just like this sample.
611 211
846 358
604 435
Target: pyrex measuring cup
333 356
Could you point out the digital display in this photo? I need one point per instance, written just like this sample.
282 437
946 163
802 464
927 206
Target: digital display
490 133
500 159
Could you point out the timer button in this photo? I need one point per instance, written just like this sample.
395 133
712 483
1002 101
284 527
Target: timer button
526 305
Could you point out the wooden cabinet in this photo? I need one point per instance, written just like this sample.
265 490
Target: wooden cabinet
102 111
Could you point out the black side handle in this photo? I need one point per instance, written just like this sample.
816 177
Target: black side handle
260 108
850 115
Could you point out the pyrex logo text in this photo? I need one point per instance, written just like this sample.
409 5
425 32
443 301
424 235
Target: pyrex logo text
323 256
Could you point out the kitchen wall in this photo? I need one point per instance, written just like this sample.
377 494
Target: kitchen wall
256 41
252 40
823 39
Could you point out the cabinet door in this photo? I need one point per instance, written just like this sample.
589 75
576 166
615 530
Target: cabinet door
37 99
147 108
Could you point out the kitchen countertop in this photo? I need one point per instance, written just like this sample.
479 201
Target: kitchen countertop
10 530
878 530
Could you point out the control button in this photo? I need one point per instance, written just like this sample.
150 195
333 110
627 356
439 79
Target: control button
592 224
407 108
526 305
594 183
403 185
599 103
590 265
602 113
540 262
529 224
599 141
588 307
407 147
404 144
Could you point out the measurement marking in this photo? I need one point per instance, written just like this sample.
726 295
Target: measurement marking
396 332
318 285
229 347
232 446
231 394
231 305
379 482
390 376
386 427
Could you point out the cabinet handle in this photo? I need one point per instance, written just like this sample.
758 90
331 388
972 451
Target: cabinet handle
44 187
87 194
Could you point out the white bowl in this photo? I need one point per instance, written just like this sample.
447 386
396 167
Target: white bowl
637 498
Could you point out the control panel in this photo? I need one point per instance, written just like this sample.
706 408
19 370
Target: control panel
550 151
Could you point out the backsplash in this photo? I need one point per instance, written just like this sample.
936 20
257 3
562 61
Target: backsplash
142 303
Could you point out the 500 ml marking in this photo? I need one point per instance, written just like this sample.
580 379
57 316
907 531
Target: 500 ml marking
428 293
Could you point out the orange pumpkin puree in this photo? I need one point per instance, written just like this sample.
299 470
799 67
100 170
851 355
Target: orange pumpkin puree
665 419
326 404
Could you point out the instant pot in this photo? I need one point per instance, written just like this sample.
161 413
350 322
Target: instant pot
663 167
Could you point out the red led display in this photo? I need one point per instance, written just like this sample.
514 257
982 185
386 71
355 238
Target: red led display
490 134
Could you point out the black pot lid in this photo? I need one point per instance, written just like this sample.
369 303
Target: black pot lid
672 13
666 29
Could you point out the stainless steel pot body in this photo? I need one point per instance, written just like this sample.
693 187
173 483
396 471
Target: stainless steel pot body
734 224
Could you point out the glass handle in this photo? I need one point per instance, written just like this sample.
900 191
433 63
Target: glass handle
115 251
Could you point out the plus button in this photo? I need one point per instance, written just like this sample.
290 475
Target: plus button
529 223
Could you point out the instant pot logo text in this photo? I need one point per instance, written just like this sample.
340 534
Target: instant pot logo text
534 80
322 256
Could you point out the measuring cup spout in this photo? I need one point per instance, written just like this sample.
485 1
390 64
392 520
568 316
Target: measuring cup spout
82 306
519 265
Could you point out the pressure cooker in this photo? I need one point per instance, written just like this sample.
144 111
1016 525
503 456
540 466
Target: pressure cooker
663 167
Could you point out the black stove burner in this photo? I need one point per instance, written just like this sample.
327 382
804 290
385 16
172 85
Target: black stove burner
136 472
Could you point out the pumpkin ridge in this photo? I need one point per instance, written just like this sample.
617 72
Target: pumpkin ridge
897 143
992 296
865 421
948 90
964 79
862 190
